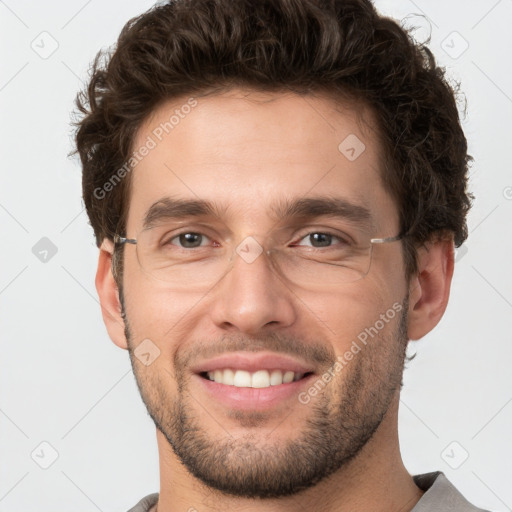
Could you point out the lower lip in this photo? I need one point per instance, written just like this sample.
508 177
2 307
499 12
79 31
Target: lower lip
253 398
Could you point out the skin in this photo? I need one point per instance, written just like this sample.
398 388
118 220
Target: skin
248 149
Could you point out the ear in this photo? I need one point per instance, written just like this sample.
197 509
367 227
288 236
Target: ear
109 295
429 289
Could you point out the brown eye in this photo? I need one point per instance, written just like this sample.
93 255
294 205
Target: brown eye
319 239
188 240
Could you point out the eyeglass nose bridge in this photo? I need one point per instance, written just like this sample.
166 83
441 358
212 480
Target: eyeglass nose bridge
249 250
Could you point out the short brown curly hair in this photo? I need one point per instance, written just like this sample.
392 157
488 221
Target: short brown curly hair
342 47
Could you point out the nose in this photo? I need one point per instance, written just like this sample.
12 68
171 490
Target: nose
252 297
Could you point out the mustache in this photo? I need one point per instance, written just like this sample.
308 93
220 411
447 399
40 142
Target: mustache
311 351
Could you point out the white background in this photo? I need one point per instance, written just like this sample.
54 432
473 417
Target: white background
64 382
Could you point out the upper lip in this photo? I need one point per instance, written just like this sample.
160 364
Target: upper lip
251 362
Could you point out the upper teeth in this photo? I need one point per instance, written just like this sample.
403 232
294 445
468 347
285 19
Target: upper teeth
258 379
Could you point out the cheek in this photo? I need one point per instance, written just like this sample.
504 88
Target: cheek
359 323
342 315
154 312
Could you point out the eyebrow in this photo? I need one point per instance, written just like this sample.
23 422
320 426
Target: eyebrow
323 206
286 209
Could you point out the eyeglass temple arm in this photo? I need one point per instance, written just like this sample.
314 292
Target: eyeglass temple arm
385 240
122 240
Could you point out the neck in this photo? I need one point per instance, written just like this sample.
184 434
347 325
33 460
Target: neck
376 479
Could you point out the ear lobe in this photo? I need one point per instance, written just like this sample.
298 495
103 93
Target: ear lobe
109 295
429 290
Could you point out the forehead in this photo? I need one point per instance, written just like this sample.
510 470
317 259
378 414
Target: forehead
249 151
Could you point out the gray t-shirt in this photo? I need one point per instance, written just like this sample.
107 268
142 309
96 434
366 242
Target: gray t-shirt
440 496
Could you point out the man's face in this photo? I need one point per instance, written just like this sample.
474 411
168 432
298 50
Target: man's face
247 154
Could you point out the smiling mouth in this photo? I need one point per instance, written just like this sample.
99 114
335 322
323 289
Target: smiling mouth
258 379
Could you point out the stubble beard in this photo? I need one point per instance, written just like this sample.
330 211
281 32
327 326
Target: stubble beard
341 420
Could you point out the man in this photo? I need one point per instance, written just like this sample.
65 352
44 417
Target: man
276 189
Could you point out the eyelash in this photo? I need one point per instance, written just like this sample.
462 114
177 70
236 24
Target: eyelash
302 237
